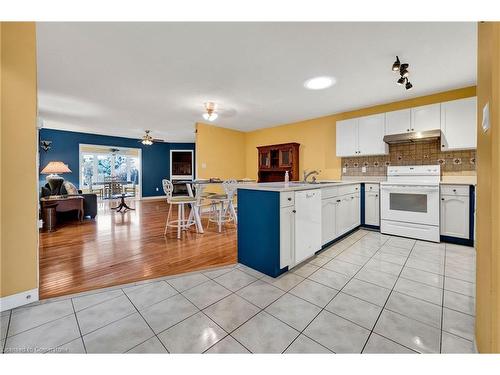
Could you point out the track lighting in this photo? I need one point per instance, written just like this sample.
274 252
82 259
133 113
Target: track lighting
395 66
403 72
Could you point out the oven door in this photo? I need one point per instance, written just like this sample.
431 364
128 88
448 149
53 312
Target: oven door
410 203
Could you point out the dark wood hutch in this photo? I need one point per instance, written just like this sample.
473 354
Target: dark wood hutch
275 160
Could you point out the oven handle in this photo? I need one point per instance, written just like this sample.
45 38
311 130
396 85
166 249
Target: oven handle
410 188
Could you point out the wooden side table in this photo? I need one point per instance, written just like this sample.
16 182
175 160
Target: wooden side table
65 203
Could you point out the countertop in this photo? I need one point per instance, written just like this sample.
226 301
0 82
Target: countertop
294 185
297 185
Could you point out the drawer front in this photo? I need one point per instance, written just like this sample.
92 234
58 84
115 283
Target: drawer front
329 192
348 189
460 190
372 187
287 198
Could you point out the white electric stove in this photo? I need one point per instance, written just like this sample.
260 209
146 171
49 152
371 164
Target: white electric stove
409 202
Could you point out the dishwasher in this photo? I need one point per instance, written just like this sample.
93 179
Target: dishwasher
307 224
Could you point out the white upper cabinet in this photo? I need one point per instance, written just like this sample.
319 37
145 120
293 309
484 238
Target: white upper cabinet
347 137
427 117
397 122
362 136
371 131
459 124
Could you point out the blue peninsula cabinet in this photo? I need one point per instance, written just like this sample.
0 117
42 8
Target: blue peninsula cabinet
280 226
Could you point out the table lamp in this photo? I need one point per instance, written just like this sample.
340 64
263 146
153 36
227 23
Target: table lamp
54 180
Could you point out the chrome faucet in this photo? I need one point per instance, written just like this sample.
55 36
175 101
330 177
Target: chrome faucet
307 174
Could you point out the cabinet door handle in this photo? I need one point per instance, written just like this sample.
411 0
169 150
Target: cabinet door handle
442 199
294 211
376 195
338 200
454 190
289 198
407 130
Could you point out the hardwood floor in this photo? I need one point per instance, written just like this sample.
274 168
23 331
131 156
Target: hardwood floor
118 248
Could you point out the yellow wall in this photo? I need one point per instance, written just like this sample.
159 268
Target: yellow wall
220 151
18 149
488 190
317 145
317 136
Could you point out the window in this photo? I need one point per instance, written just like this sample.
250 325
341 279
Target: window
100 163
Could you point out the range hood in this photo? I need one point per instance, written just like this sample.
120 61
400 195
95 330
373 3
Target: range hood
412 137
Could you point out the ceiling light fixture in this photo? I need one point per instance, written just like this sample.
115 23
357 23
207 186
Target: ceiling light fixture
319 83
147 140
396 65
211 111
402 69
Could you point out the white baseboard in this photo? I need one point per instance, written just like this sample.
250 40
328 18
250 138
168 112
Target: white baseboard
18 299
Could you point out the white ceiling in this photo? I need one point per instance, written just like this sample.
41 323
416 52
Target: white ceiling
122 78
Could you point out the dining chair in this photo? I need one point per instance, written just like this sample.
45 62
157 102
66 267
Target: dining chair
181 223
222 209
97 189
129 189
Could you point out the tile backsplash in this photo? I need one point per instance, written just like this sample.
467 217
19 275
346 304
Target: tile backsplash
425 153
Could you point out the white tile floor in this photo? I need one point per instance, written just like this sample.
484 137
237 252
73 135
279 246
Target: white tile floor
368 293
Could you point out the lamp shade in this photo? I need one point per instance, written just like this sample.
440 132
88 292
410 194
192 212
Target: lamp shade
55 167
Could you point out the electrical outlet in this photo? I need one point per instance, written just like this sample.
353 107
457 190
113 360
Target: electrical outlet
363 169
40 223
344 170
157 189
203 165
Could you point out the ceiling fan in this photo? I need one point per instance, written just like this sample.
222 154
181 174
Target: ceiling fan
148 140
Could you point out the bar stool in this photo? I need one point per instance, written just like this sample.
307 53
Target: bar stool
221 205
181 223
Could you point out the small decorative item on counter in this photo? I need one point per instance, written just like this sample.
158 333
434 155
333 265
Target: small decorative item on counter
287 178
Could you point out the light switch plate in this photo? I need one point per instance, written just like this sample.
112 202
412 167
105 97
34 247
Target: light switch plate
203 165
344 170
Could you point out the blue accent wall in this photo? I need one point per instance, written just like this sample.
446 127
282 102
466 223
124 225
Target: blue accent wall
65 148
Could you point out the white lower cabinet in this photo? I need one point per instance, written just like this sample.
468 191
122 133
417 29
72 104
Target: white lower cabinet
347 214
455 216
354 211
287 235
328 207
372 205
